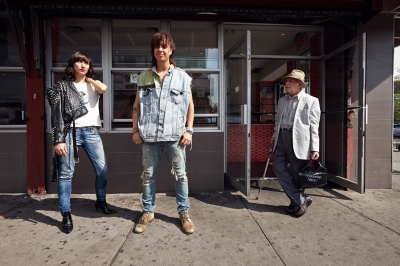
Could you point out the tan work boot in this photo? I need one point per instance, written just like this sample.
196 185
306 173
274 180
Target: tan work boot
144 222
187 225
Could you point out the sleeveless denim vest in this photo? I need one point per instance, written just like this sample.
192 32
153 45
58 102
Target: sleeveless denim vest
163 107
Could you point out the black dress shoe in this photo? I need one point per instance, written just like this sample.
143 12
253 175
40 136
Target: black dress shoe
291 209
102 205
300 211
67 224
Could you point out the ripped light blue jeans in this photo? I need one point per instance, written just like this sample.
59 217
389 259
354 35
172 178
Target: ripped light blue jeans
89 139
176 156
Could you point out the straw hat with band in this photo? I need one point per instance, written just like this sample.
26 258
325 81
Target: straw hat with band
296 74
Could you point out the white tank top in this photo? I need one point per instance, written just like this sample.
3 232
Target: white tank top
91 100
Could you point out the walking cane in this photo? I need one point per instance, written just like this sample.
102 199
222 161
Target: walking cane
266 167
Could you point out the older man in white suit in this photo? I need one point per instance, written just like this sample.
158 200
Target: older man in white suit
296 139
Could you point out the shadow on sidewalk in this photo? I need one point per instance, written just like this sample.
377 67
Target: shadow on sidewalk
330 188
36 210
272 198
228 200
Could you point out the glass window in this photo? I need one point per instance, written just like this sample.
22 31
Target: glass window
71 35
8 46
205 122
12 98
131 49
131 43
125 85
196 44
205 98
205 92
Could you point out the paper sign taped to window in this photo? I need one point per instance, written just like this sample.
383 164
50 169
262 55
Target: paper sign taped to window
134 77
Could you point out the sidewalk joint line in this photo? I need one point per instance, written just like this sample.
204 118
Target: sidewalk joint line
363 215
259 226
113 258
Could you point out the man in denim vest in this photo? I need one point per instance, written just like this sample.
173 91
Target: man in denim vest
162 118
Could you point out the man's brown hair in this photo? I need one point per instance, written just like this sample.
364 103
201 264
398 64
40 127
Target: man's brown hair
162 39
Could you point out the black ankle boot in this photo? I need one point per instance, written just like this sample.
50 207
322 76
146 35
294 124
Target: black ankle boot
102 205
67 224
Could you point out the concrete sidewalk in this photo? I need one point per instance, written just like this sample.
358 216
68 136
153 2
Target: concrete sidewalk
340 228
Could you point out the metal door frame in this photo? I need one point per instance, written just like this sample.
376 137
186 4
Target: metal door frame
245 114
358 186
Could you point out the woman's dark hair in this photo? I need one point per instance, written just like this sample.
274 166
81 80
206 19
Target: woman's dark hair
78 57
164 39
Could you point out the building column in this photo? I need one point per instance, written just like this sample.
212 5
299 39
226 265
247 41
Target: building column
35 113
379 97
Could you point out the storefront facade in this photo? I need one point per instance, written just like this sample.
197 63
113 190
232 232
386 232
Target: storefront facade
236 58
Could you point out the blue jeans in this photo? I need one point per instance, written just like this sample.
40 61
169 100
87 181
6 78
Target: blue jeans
176 156
89 139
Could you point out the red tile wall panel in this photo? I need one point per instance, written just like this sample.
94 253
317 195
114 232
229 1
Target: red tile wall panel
235 143
260 134
260 142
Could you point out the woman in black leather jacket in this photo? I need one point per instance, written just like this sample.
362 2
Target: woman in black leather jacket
75 121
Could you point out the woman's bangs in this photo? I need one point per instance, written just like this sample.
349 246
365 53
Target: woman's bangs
81 58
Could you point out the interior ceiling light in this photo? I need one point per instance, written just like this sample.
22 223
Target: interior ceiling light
283 34
207 13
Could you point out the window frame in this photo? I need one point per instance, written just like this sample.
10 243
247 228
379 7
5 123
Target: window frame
14 128
108 72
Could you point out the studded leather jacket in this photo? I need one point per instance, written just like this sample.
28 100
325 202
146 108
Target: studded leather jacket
66 105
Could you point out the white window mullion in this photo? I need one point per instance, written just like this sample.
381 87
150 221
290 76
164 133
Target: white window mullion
106 53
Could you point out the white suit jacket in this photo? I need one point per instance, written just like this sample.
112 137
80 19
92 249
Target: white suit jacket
305 125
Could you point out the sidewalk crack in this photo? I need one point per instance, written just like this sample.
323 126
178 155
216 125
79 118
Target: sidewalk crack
123 242
259 226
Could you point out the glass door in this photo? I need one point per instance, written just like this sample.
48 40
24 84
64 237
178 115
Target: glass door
238 118
344 114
